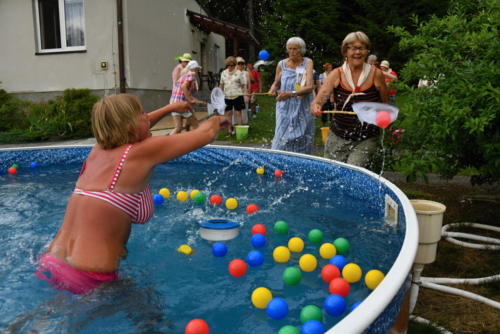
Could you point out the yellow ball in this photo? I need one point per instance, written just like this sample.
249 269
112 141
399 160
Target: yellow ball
281 254
351 272
296 244
373 278
308 262
185 249
261 297
327 250
182 196
193 193
164 192
260 170
231 203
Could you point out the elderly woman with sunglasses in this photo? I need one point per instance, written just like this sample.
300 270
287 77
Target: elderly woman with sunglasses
293 86
233 82
349 140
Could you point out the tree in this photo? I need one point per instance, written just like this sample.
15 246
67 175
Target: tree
453 126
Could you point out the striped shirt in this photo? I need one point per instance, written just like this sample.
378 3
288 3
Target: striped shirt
177 93
139 206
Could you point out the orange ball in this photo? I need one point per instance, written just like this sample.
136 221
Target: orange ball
237 267
216 199
197 326
252 208
278 173
259 228
12 170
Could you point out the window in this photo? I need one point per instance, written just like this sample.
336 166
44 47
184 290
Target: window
60 25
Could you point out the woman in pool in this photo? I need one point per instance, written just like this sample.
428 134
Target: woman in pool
349 140
112 191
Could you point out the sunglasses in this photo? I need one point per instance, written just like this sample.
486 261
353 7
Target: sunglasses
241 63
231 65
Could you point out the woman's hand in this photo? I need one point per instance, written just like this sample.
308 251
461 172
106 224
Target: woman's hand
282 96
316 109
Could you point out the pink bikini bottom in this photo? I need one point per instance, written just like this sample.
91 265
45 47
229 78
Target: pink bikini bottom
64 277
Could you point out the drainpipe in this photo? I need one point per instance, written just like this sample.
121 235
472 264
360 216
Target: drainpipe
121 52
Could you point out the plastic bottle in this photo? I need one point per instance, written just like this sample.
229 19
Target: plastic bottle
257 108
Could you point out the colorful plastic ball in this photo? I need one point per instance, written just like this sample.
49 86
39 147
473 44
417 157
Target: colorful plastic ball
278 173
200 198
185 249
258 240
216 199
259 228
193 193
260 170
33 164
237 267
327 250
219 249
383 119
296 244
292 276
311 312
339 260
315 236
308 262
342 246
12 170
352 272
334 305
339 286
373 278
312 327
263 54
353 306
289 329
277 308
197 326
158 199
252 208
164 192
329 272
261 297
255 258
182 196
231 203
16 166
281 254
281 227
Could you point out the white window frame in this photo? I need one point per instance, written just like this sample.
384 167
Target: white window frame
62 29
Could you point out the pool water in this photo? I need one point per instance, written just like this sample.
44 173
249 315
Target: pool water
160 289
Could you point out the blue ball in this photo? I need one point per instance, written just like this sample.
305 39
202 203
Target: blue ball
312 327
158 199
353 306
263 54
255 258
258 240
33 164
334 305
277 308
339 260
219 249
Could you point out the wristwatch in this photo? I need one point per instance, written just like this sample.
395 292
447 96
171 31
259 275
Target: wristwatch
294 93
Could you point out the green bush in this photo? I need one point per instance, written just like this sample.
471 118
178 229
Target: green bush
11 112
453 125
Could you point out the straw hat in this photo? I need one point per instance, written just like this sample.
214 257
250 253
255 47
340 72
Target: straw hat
385 64
184 57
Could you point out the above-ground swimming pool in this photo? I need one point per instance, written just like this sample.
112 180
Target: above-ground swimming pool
160 290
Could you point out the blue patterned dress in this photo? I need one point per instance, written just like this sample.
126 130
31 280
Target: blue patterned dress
294 130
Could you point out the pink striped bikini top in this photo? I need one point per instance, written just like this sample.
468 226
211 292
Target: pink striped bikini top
138 206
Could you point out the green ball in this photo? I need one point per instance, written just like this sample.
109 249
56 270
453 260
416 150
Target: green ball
342 245
311 312
281 227
288 329
16 166
315 236
200 198
292 276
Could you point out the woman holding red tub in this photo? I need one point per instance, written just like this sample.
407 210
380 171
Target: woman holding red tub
112 191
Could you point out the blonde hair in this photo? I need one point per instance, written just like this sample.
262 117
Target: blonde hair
357 36
230 60
115 121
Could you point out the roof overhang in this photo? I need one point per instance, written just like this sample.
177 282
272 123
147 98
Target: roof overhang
226 29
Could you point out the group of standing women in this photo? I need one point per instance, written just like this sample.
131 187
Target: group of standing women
349 140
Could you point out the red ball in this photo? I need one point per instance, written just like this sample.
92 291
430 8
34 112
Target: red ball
237 267
12 170
329 272
197 326
278 173
259 228
383 119
339 286
252 208
216 199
